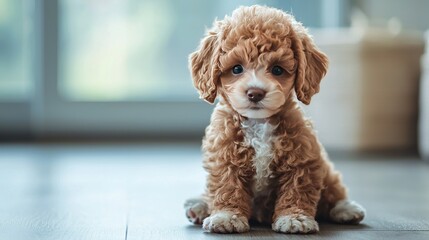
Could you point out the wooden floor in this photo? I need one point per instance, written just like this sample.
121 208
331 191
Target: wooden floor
136 191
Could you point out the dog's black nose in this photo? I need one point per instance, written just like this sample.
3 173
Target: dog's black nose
255 94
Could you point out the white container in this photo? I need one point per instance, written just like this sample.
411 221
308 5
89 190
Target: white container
424 105
368 99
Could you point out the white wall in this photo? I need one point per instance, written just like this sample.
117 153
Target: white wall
413 14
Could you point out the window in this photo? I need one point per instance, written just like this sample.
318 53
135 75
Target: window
15 49
126 50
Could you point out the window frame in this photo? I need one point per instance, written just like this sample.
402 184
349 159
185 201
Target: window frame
55 116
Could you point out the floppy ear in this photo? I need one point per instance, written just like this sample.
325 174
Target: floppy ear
312 64
204 67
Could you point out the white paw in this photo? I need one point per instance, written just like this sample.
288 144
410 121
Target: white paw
346 211
196 210
296 223
226 222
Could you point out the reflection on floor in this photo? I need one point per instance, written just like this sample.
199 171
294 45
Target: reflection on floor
130 191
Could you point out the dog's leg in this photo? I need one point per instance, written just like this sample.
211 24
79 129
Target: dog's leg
231 202
334 204
196 210
298 195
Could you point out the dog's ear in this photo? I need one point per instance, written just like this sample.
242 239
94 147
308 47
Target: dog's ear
204 66
312 64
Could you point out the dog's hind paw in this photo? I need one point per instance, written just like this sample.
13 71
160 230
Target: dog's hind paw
196 210
346 211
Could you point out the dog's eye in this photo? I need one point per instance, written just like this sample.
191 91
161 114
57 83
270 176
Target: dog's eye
237 69
277 71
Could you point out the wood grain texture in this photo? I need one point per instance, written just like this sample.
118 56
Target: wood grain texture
133 191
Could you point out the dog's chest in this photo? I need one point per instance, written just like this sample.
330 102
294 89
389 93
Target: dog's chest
260 136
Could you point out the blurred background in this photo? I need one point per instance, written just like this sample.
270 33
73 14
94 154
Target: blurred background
117 70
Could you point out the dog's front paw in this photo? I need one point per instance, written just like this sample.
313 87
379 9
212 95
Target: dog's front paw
295 223
226 222
196 210
347 212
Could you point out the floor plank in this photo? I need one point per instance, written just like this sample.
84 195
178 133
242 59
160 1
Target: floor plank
46 195
136 191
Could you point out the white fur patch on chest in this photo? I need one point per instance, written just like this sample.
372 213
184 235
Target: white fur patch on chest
259 135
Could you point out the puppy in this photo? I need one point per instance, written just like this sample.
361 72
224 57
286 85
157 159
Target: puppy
263 159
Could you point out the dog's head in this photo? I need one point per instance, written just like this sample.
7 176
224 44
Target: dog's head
254 59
